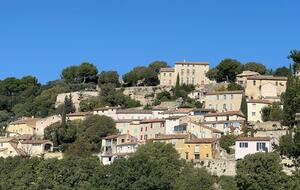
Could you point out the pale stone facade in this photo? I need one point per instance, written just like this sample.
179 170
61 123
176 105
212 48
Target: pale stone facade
241 79
167 77
265 87
224 100
188 72
254 109
227 122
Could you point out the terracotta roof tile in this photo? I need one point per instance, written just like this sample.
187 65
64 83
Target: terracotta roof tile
225 113
226 92
167 70
193 63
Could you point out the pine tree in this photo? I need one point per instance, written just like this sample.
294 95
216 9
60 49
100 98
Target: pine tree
177 93
244 107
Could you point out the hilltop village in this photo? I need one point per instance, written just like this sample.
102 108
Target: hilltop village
212 117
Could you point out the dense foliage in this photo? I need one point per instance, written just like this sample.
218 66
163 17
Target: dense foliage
273 112
261 171
144 76
81 138
154 166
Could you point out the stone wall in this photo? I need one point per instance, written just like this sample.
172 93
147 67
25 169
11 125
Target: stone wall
218 167
144 94
76 97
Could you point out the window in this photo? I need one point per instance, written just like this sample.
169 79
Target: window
174 142
197 148
145 128
214 125
224 107
224 97
197 156
109 159
261 146
253 113
193 80
243 145
218 97
231 96
193 71
170 74
227 118
1 144
206 155
145 137
141 137
186 155
141 129
182 71
188 71
276 83
254 82
164 74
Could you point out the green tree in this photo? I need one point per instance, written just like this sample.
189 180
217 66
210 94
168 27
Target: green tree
244 107
226 141
258 171
234 86
226 70
265 113
85 72
153 166
295 57
282 72
253 66
227 183
213 74
194 179
291 101
109 77
157 65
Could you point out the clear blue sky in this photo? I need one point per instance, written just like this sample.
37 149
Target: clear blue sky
40 38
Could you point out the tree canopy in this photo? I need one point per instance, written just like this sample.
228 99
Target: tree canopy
85 72
253 66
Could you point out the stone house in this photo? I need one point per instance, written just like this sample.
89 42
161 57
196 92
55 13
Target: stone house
189 73
227 122
254 109
150 128
265 87
224 100
117 147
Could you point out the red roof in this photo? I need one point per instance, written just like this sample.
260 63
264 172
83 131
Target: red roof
253 139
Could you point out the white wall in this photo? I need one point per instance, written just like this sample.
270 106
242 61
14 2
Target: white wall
240 153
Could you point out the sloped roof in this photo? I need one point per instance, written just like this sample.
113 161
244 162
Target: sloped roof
225 92
192 63
267 77
202 140
239 113
253 139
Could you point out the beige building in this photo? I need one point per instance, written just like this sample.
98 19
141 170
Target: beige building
128 126
35 147
224 100
8 148
265 87
228 122
189 73
78 116
254 109
31 126
22 126
167 77
198 130
150 128
116 147
241 79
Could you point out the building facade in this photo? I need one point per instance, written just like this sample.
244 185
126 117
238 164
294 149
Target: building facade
265 87
224 100
193 73
254 108
252 145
